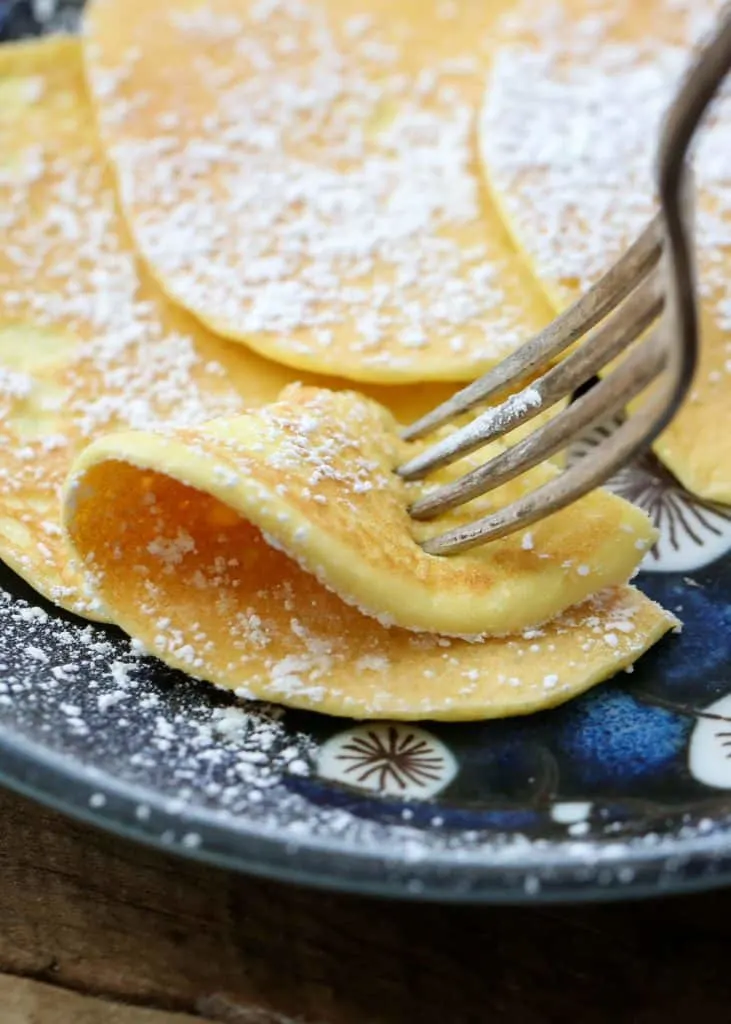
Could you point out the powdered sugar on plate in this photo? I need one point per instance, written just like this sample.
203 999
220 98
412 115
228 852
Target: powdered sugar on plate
80 686
192 759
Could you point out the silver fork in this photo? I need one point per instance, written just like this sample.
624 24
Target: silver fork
652 284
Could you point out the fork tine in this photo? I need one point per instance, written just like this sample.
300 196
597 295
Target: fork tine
557 336
615 334
611 394
564 489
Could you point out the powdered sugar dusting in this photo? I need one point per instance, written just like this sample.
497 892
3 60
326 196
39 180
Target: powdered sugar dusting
76 686
76 689
569 136
319 194
572 109
88 345
57 15
190 759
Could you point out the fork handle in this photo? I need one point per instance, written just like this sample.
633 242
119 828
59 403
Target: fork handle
675 192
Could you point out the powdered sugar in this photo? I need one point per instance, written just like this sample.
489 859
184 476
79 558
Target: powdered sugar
57 15
331 197
69 682
570 117
182 760
109 352
77 685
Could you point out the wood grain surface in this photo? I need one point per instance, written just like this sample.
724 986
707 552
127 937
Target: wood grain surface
29 1002
87 913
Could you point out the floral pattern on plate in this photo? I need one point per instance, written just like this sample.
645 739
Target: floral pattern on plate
388 758
693 533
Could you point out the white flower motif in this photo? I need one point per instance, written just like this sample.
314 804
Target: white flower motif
709 755
392 759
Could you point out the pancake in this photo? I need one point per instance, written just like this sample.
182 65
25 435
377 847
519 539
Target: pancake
88 343
157 523
568 137
303 177
314 472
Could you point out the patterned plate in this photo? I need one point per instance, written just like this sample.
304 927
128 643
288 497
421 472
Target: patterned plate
625 791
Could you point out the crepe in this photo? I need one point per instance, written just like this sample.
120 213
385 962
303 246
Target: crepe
220 548
88 343
568 135
314 472
303 177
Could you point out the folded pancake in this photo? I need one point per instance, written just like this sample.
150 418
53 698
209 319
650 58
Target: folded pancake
88 343
302 175
169 529
314 472
569 129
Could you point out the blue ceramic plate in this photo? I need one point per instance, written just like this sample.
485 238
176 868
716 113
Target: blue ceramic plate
624 791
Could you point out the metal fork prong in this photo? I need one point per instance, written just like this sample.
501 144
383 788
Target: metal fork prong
563 490
620 329
609 396
561 333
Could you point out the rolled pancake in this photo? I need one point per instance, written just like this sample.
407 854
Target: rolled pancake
303 177
88 343
568 138
161 526
315 472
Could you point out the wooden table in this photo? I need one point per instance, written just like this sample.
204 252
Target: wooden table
94 930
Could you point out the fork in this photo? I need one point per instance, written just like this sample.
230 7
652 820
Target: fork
645 303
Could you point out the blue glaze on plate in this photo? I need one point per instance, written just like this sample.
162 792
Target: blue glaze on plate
19 18
617 740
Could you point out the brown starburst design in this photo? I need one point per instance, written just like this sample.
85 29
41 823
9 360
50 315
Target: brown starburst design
726 737
400 757
650 485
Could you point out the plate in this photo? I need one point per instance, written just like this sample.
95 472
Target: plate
626 791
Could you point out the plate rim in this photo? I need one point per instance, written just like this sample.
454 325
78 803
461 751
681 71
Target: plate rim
66 785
